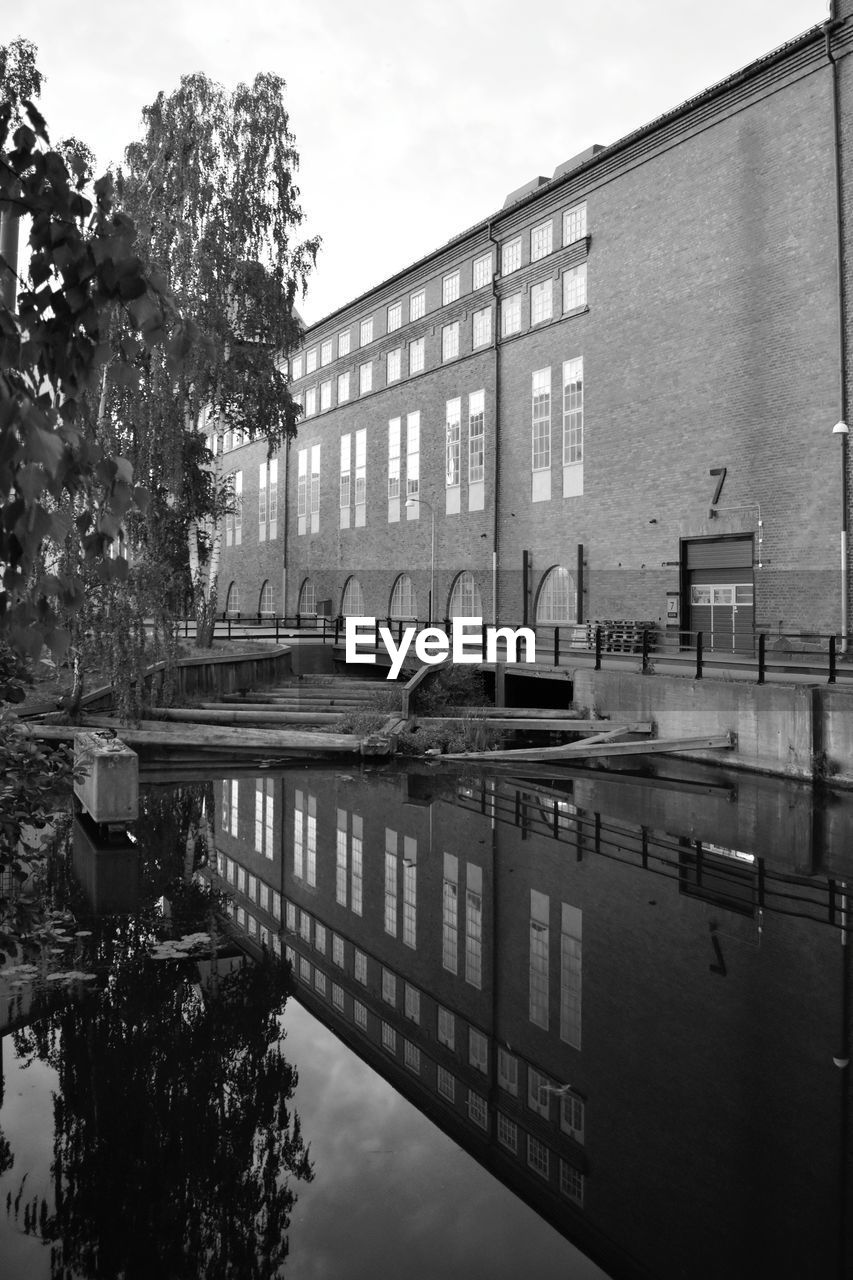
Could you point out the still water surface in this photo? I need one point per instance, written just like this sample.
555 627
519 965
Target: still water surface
577 1026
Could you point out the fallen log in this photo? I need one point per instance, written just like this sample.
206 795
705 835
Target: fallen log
150 733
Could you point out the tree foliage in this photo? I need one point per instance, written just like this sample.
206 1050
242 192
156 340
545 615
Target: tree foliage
86 281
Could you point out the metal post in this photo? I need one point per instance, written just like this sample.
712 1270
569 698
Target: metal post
556 646
762 644
645 650
698 655
598 648
832 666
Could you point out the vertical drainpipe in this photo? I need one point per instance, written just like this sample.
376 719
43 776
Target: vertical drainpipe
285 488
839 267
497 350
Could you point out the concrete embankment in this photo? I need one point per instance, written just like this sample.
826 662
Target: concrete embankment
795 731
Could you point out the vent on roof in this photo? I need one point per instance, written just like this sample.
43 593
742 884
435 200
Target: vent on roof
521 192
576 161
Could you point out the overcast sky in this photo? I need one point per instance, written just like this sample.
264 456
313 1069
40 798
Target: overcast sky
413 118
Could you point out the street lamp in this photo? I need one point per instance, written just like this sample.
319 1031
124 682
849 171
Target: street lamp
422 502
842 431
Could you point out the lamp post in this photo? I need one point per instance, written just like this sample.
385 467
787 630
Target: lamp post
422 502
842 431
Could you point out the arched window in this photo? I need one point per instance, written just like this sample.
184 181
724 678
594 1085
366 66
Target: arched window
352 603
557 601
465 598
307 599
404 603
265 604
232 601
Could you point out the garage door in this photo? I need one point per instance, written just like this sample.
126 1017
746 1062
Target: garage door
720 593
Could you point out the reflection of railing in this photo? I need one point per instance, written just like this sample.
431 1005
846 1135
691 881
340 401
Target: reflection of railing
256 626
738 881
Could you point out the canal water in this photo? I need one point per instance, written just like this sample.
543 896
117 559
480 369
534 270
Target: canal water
354 1022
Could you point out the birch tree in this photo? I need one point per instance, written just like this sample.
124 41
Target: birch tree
211 188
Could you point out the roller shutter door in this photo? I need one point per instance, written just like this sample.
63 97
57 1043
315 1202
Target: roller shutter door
721 593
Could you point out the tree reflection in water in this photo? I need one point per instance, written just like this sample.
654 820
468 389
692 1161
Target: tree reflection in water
176 1148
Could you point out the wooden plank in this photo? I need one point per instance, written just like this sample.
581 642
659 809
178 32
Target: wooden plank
228 716
524 713
546 726
150 733
580 750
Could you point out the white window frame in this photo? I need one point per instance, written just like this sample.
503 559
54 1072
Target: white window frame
417 304
326 395
541 240
574 288
450 341
365 378
511 315
511 256
481 328
540 397
482 271
394 365
541 301
449 288
343 386
311 360
365 331
574 223
395 316
326 352
417 355
344 342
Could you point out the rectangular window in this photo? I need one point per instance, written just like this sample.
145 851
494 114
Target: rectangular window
477 1109
395 316
446 1028
305 927
507 1133
344 343
410 891
482 274
290 915
326 352
417 305
341 859
296 368
310 402
365 378
389 987
508 1072
413 456
311 360
541 413
541 240
238 508
394 469
343 387
573 427
315 488
511 256
346 480
320 938
450 341
537 1156
446 1084
450 914
262 502
572 1115
574 223
298 837
338 950
476 437
541 302
511 315
272 501
481 329
304 969
450 288
412 1003
412 1056
452 432
356 866
361 967
320 983
538 1093
264 822
302 490
574 288
571 1182
478 1050
474 927
394 363
359 1013
389 1038
365 332
538 991
360 477
276 905
416 356
325 396
391 882
337 996
571 975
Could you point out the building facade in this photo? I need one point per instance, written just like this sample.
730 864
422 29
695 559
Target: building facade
612 399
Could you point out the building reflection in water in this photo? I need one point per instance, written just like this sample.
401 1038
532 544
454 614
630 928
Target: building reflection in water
626 998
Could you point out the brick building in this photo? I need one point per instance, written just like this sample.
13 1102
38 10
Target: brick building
612 398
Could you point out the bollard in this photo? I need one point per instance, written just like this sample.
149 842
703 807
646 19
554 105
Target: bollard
598 648
832 668
698 655
762 643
